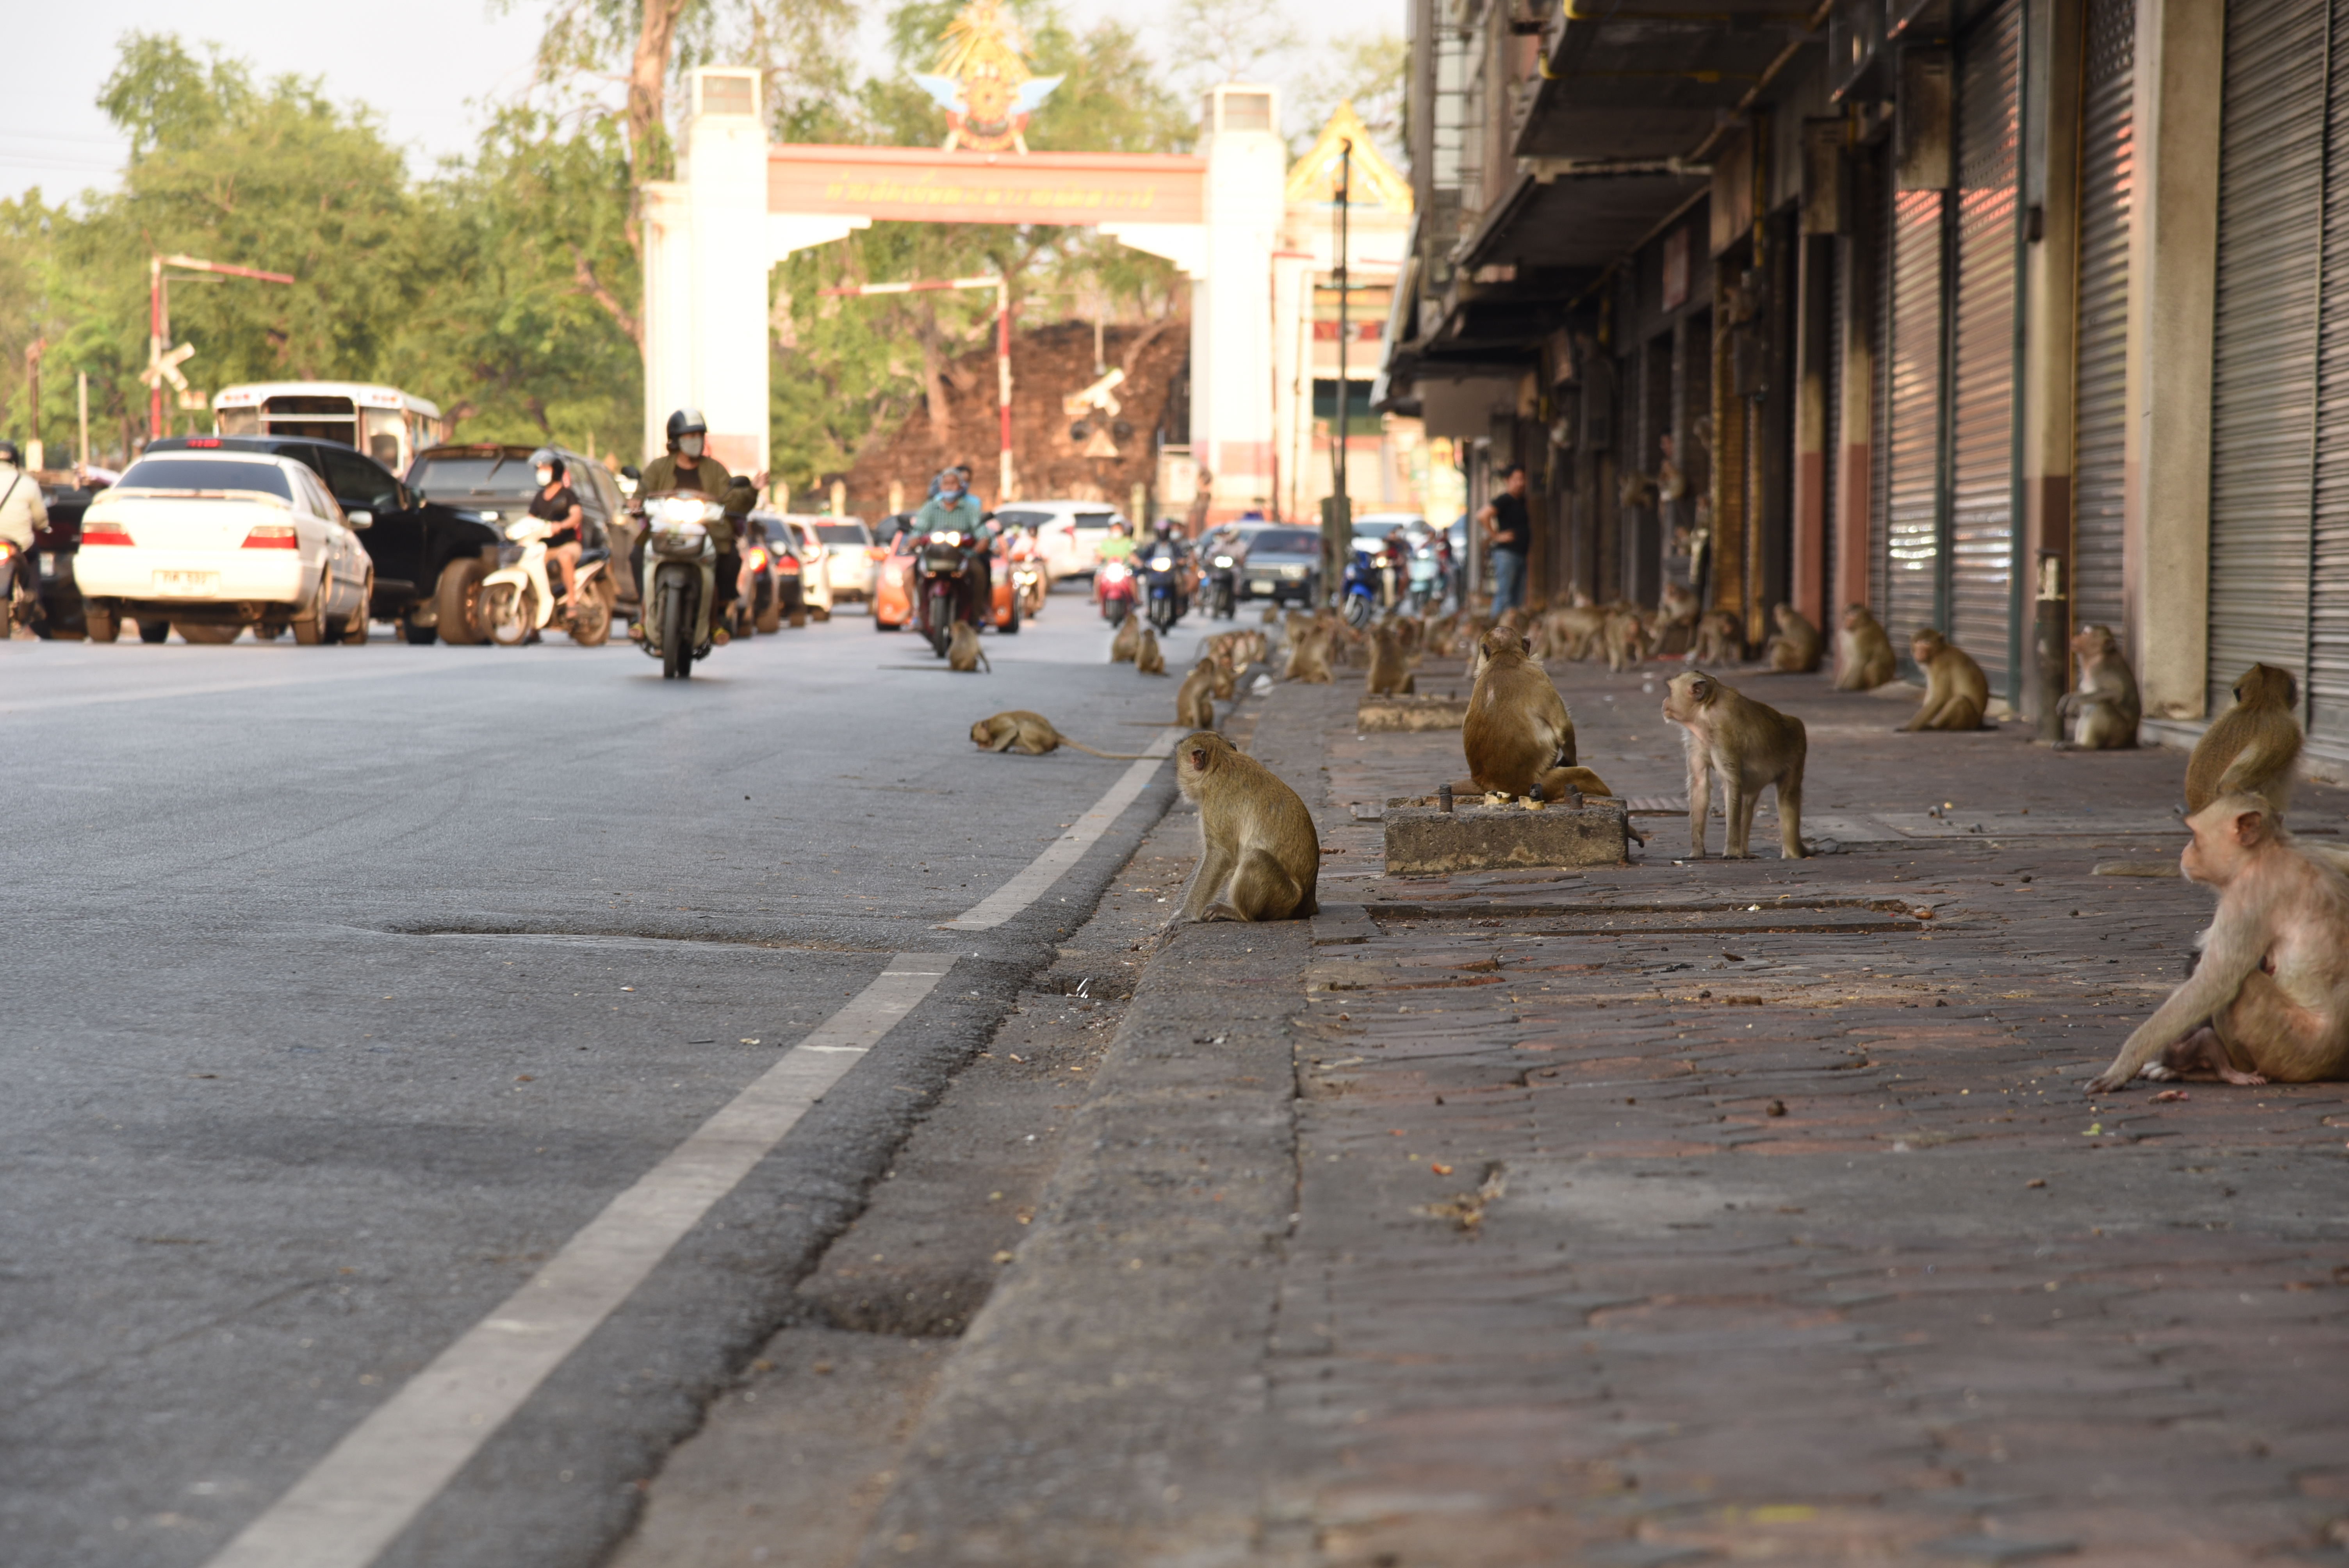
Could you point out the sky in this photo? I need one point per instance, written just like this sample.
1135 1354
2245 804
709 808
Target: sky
429 75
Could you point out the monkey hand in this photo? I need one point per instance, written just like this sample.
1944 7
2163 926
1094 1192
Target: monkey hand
2112 1081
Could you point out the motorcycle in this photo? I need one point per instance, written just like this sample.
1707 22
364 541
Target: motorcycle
515 600
1426 579
1162 586
20 599
1362 589
1223 584
1030 587
1113 590
681 578
946 561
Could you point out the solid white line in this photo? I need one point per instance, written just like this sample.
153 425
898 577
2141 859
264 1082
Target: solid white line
22 704
1065 850
354 1502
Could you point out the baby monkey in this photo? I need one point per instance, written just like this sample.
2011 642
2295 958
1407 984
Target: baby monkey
1032 735
2269 998
1749 746
1259 853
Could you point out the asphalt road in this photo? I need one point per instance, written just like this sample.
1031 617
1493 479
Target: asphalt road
346 985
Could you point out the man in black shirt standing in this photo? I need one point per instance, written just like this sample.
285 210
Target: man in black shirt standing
1507 532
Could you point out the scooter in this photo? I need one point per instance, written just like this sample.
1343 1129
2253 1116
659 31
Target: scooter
1362 589
1030 585
1223 584
1426 579
515 600
946 561
1113 590
681 578
1162 585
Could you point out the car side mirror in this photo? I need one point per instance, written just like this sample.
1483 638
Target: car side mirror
360 517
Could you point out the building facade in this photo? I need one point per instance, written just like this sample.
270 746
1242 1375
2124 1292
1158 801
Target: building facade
1999 316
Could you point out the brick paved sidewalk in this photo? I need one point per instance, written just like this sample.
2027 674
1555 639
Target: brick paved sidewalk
1793 1236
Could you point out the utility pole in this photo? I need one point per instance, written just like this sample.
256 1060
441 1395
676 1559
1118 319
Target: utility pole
162 366
34 458
81 420
1338 512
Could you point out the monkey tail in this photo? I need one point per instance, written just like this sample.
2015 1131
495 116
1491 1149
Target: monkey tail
1111 756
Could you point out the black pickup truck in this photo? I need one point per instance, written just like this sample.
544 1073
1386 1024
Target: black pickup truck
428 557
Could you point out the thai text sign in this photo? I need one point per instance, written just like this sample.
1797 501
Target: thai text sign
922 183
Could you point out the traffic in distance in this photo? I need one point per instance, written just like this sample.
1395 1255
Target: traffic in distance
318 510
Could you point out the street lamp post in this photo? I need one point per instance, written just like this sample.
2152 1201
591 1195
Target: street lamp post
1337 513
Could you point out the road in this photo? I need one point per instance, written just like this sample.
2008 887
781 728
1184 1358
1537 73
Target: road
349 987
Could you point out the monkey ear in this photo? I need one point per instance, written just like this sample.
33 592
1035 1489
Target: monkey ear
1525 644
2250 827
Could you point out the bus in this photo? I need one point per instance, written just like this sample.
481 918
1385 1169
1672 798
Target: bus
388 425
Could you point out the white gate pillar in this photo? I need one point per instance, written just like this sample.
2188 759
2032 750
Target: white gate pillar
1232 325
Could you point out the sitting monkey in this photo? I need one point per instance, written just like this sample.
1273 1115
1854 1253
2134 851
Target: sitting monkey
1518 735
1309 657
1718 640
1032 735
1195 705
1864 658
1957 693
2252 747
1390 666
1147 659
1128 641
2269 998
2104 709
1259 853
1795 651
963 652
1749 746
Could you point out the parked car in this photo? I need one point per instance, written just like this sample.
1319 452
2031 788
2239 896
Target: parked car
212 541
851 560
1282 565
428 557
1070 530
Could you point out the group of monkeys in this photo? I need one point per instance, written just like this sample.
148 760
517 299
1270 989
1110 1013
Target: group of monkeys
2268 997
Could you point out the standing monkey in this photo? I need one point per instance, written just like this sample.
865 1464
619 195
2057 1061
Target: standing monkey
1795 651
1749 746
1864 658
1147 659
1957 693
2269 998
2103 708
2252 747
1259 854
1518 735
1195 705
1032 735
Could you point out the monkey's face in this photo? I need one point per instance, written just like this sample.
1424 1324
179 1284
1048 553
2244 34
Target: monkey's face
1924 646
2227 833
983 732
1686 697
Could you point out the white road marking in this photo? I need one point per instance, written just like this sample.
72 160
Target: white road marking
1065 850
354 1502
38 703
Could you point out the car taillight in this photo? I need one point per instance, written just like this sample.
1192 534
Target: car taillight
878 553
204 441
104 530
272 536
757 559
787 563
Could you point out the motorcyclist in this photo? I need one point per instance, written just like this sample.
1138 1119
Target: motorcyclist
688 465
557 503
1166 537
23 512
952 509
1118 543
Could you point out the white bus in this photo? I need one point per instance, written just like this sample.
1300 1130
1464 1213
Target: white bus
388 425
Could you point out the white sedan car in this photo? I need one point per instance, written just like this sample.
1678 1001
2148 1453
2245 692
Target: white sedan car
211 543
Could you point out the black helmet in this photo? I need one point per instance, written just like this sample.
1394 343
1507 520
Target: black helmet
8 453
687 422
545 458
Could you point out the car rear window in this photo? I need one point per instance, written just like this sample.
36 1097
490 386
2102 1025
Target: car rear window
206 474
843 533
1287 542
1094 519
473 476
1018 518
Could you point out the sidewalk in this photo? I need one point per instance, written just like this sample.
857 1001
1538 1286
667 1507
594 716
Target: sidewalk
1375 1244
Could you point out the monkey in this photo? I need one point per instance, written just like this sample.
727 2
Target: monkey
1308 658
1389 669
1272 615
1679 605
1147 659
1957 693
1224 676
1122 647
1795 651
1032 735
963 652
1518 735
2252 747
1864 658
1748 745
2269 1000
1259 853
1625 637
1410 632
2105 708
1572 632
1195 705
1718 640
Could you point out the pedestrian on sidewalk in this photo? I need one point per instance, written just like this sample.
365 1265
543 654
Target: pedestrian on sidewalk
1507 529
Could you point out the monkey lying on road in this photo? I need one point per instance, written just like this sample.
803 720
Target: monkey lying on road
1259 854
1749 746
2252 747
2269 999
963 652
1032 735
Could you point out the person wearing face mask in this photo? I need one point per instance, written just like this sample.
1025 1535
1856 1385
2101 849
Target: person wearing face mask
688 465
557 503
953 508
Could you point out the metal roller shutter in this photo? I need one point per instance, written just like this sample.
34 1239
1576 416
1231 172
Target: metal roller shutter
1831 436
2271 179
1981 392
1912 395
1878 215
2327 679
2100 368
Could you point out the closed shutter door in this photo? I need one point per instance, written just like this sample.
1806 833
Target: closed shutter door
2327 678
1879 215
1982 394
1912 449
1831 433
2271 176
2108 165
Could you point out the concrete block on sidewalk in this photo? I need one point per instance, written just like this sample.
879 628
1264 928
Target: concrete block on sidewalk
1391 714
1423 841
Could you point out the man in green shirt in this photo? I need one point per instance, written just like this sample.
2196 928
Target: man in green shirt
686 465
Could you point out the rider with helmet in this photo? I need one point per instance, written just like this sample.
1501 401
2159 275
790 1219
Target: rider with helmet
1166 537
953 508
688 465
558 503
23 513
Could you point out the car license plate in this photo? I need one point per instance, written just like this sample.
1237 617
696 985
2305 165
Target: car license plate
1257 587
49 563
183 582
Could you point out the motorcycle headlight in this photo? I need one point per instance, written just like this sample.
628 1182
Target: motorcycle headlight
1162 563
1223 560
